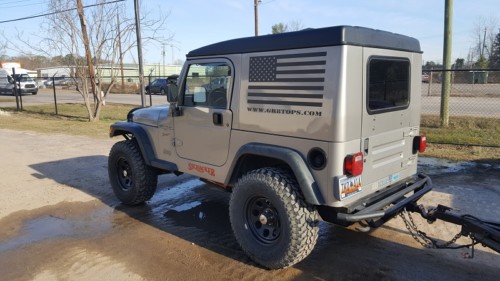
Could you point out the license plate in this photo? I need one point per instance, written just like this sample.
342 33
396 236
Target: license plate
348 186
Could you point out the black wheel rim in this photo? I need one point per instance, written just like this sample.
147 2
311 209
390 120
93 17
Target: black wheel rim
124 174
263 220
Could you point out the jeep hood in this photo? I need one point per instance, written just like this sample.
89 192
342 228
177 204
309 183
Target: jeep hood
150 115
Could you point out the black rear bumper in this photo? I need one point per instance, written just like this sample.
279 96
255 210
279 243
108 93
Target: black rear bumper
374 210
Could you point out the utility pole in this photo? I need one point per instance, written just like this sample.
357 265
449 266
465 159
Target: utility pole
445 86
88 55
139 50
256 15
484 43
172 49
120 49
163 53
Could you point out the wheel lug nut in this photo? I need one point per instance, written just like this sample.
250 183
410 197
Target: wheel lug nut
263 219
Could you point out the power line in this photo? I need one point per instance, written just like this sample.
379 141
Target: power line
58 12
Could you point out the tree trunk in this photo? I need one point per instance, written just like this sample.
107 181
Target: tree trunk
88 56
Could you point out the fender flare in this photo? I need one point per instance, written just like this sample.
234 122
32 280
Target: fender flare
123 128
292 158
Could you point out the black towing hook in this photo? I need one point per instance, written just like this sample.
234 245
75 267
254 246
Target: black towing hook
485 232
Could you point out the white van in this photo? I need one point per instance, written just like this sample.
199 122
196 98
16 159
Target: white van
25 84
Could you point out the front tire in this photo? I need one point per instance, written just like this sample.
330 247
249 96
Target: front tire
132 180
271 220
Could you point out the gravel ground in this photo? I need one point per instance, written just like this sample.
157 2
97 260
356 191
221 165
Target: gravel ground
60 221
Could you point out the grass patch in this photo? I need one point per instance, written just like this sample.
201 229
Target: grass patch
463 153
462 130
72 119
8 100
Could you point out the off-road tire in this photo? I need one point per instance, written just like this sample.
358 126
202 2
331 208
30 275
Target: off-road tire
291 230
132 180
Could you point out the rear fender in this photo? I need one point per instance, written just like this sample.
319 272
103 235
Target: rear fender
292 158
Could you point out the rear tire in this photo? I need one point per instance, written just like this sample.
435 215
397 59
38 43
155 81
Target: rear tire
271 220
132 180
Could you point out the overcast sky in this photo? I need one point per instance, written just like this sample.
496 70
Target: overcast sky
195 23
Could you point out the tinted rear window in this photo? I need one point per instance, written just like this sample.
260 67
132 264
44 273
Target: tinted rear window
388 84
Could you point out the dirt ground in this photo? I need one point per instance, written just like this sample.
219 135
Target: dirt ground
60 221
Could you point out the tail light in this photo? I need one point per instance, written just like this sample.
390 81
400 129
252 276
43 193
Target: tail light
353 164
419 144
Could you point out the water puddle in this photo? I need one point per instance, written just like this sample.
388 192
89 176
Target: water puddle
48 227
434 166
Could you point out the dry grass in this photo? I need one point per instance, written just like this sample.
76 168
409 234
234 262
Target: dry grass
72 120
463 153
462 130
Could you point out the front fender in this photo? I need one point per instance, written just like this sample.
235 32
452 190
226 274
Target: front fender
129 128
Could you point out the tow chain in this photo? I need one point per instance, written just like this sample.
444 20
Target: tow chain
428 242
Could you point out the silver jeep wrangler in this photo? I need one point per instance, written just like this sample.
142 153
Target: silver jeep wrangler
300 126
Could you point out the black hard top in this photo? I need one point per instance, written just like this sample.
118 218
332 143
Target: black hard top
309 38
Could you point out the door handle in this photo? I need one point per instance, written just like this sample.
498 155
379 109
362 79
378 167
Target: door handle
366 146
217 119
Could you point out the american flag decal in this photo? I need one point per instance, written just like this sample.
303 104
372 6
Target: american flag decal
291 80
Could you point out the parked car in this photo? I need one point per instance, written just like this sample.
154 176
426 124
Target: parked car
426 78
285 174
216 83
59 81
5 87
160 85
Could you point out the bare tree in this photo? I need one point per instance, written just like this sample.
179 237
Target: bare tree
91 43
295 25
3 44
483 38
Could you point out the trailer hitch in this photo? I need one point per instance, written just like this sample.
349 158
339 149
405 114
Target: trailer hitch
479 231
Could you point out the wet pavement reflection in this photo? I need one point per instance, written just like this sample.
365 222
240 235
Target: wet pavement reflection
160 238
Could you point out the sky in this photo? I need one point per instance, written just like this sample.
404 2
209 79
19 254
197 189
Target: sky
196 23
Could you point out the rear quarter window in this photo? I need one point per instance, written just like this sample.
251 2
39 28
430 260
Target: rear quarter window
388 84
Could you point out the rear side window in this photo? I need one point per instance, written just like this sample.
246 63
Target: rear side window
388 84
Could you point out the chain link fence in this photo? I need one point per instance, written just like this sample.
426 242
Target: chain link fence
474 93
474 107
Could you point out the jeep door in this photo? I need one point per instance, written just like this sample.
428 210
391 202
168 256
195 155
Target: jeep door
203 125
386 125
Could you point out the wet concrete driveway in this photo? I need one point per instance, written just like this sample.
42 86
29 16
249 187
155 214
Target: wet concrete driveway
183 233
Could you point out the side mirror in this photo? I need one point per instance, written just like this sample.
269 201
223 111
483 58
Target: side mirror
11 80
200 95
172 93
